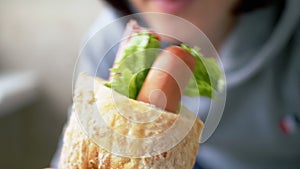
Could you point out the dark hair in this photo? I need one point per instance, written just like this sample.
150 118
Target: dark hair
242 7
250 5
120 5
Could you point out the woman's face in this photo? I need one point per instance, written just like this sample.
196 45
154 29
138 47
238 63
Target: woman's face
207 15
184 7
165 6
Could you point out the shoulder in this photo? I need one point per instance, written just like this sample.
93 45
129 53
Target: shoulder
100 43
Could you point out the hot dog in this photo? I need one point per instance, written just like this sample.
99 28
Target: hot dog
115 140
166 80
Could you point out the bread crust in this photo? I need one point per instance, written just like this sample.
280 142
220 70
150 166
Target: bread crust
88 144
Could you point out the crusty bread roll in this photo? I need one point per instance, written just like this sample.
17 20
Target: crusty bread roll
109 131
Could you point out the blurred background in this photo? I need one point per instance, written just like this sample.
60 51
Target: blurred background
39 44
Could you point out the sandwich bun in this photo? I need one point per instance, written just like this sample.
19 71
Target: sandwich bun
110 131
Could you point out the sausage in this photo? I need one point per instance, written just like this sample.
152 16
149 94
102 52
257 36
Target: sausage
167 78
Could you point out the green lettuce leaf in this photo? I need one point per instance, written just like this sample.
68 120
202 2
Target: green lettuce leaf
130 72
207 75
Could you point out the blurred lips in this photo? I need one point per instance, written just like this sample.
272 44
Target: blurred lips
170 6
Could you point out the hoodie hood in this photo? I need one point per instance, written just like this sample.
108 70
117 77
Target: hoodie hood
257 39
261 62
